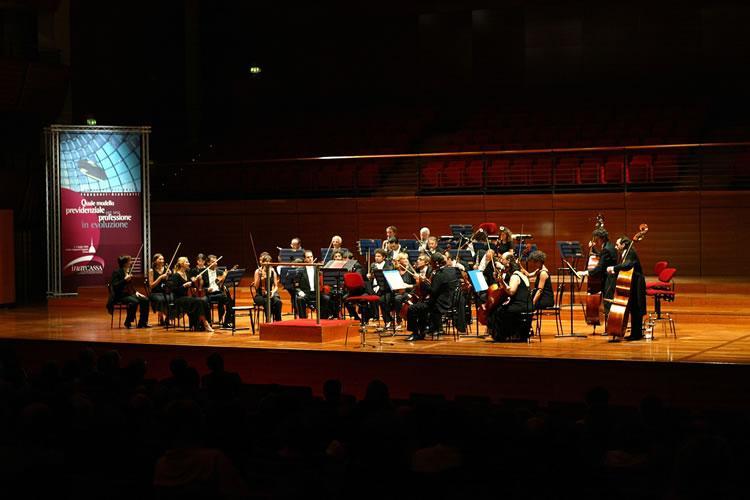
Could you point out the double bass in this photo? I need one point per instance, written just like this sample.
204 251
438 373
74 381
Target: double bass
619 311
595 284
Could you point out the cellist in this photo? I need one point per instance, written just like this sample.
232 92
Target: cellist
637 298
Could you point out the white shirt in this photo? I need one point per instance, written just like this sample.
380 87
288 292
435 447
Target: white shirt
213 287
311 277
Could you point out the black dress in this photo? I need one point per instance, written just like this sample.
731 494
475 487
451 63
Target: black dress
160 295
195 307
548 296
261 298
508 322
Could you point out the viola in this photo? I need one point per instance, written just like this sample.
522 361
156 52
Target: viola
619 311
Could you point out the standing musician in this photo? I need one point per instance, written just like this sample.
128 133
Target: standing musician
637 299
424 235
426 316
123 290
260 282
159 296
213 282
601 245
306 291
507 321
196 308
543 296
390 232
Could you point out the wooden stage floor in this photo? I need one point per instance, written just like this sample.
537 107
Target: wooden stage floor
711 328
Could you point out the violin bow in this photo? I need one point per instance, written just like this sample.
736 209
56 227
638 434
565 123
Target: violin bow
132 264
169 266
255 252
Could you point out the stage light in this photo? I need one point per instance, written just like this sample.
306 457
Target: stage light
255 70
90 121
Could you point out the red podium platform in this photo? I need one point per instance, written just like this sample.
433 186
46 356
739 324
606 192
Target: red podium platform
306 330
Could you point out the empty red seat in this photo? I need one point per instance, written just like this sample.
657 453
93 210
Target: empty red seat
590 171
453 173
367 176
431 174
541 172
639 169
473 174
566 171
518 172
613 171
497 171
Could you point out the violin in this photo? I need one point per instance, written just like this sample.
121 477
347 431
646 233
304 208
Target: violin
197 290
619 311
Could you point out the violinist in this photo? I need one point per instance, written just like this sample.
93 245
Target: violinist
432 246
507 321
426 316
423 265
260 282
504 240
601 245
450 263
196 308
336 243
123 290
159 296
424 235
637 298
394 248
543 296
399 297
200 265
213 282
306 291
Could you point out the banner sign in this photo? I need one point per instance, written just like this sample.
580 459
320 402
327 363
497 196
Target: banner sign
101 204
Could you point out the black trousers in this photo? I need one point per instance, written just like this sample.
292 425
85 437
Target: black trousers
325 305
134 302
275 305
222 301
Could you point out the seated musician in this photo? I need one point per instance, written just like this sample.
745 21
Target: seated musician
507 322
453 264
213 282
390 232
432 246
504 240
196 308
426 316
336 243
296 244
543 295
260 283
424 235
397 298
637 306
306 291
377 289
159 296
123 291
394 248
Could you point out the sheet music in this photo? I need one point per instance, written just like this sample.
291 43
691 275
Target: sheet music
395 281
478 281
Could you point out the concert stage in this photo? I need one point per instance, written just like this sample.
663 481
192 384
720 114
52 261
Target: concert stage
707 365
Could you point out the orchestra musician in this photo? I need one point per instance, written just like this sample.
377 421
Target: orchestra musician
159 296
432 246
393 249
123 290
306 291
196 308
296 244
425 316
398 297
543 296
637 299
390 232
381 263
506 322
601 245
336 243
504 240
424 235
213 282
260 282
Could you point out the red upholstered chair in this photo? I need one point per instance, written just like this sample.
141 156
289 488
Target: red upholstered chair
590 171
431 174
664 277
640 170
474 174
662 291
453 173
355 283
659 267
541 172
566 171
488 227
497 172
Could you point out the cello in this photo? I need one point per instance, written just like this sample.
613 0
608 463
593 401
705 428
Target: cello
619 311
594 284
496 295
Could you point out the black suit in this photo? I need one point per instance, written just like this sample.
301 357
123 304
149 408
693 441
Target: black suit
430 313
120 293
308 297
637 299
607 258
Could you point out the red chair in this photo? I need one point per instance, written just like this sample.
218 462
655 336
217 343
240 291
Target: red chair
431 174
497 171
640 170
659 267
662 290
355 283
453 173
474 174
664 277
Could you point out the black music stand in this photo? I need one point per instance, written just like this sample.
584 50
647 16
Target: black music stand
368 247
290 255
333 275
233 278
383 283
570 250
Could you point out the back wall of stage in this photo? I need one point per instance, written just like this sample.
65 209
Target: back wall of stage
697 232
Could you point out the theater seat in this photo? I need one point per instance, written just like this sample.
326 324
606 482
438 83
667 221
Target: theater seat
473 175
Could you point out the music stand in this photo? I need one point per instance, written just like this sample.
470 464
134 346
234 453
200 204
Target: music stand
368 247
289 255
386 288
333 274
233 278
570 250
478 284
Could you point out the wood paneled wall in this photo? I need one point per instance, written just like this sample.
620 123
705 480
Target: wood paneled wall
695 231
7 259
